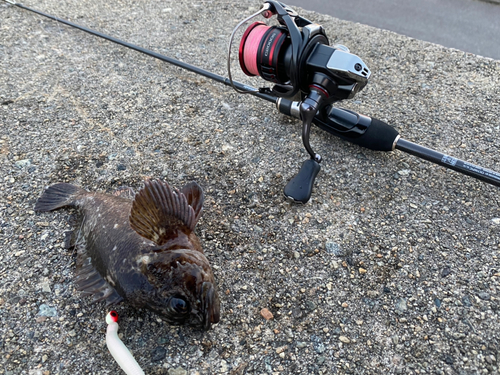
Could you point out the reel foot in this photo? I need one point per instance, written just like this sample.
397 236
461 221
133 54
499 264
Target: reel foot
299 188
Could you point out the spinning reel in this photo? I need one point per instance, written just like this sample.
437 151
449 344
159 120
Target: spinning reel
296 56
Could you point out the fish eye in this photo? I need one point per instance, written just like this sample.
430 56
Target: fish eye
179 305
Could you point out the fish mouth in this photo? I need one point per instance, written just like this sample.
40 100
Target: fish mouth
210 305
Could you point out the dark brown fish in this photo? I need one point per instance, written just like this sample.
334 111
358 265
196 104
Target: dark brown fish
142 250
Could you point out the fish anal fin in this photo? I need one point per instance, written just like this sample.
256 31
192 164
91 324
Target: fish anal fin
160 213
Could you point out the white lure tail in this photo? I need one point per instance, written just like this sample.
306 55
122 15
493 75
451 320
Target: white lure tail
118 349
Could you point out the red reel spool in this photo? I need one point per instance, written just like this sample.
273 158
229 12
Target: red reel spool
261 52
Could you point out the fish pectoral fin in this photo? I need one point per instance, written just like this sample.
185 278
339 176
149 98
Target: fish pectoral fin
89 281
109 295
158 211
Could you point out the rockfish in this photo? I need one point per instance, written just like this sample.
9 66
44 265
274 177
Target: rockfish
142 249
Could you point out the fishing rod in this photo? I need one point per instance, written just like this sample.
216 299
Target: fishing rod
297 58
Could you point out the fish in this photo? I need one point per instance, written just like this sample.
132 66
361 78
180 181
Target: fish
141 249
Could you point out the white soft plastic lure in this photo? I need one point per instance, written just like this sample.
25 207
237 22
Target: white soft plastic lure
118 349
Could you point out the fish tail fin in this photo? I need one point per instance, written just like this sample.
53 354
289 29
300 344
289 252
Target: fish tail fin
57 196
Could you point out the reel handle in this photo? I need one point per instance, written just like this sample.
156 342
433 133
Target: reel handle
299 188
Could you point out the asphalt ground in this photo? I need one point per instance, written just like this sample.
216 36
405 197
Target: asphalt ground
392 267
467 25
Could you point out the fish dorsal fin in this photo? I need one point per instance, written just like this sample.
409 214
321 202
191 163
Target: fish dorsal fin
194 195
159 212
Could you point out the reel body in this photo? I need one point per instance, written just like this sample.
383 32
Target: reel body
296 56
292 57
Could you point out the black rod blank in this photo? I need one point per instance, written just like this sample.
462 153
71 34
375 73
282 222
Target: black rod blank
450 162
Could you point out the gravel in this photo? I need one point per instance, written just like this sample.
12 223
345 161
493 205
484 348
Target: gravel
392 267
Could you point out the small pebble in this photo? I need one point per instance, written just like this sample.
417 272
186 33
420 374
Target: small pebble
280 349
158 354
344 339
46 310
401 305
223 367
448 359
266 314
23 163
484 296
46 287
297 312
333 248
446 271
311 305
177 371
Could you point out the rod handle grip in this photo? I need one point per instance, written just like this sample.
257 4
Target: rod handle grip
299 188
362 130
